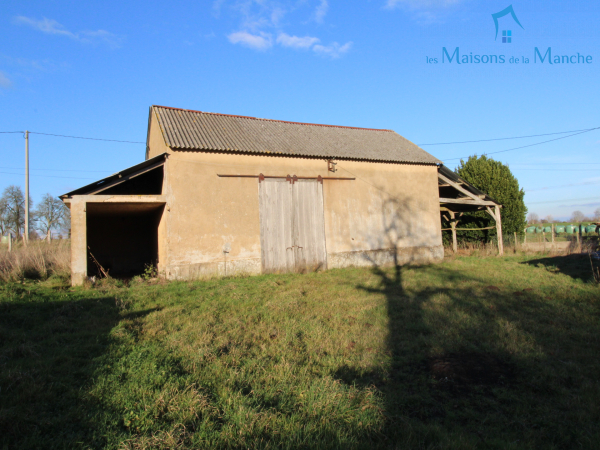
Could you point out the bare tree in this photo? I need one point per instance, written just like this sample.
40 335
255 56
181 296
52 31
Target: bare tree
64 225
3 217
597 215
49 215
577 216
549 219
533 218
14 201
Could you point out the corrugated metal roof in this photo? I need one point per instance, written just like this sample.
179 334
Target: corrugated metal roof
184 129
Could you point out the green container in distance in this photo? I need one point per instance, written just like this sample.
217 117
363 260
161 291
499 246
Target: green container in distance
548 229
530 230
590 229
539 229
559 229
570 229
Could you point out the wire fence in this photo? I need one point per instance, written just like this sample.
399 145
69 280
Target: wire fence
560 243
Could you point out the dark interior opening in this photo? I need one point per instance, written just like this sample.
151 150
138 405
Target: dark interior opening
149 183
122 237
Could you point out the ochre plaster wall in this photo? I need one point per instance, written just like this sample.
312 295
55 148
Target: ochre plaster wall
389 213
156 143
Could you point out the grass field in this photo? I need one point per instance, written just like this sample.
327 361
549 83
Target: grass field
471 353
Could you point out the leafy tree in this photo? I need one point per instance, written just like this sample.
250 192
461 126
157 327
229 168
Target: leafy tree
577 216
14 209
49 215
497 181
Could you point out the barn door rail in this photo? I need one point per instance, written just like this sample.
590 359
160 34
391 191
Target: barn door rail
291 179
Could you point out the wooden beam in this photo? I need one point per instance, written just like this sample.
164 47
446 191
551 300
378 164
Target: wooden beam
499 231
458 187
453 225
464 201
470 229
496 216
118 199
448 185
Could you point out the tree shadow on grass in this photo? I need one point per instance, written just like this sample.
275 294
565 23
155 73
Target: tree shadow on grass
48 353
481 366
577 266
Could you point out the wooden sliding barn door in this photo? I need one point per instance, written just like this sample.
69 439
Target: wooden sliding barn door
309 226
292 225
276 222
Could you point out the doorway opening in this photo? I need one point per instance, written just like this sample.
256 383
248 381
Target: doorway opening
122 237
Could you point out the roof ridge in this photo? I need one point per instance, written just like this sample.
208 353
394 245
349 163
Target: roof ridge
272 120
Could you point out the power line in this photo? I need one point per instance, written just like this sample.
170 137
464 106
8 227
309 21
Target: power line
530 145
88 138
553 164
562 170
506 138
48 176
75 137
58 170
563 200
547 188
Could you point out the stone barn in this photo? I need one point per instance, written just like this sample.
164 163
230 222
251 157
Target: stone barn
222 194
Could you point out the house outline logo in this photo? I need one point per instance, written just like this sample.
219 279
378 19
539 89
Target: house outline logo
506 34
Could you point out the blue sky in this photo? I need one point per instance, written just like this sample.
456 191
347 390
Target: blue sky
93 68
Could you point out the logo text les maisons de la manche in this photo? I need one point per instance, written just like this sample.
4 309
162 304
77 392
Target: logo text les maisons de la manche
539 56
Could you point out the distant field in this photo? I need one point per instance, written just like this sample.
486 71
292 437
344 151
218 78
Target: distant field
471 353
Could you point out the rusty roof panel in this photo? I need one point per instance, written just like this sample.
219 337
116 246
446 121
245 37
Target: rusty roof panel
196 130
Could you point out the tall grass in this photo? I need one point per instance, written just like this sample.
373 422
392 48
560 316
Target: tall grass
37 260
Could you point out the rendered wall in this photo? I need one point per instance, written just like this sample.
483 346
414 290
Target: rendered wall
156 143
390 213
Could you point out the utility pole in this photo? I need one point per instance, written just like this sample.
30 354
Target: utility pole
26 237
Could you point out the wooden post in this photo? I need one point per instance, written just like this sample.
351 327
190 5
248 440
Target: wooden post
579 238
553 235
525 236
544 238
516 242
499 230
453 225
9 242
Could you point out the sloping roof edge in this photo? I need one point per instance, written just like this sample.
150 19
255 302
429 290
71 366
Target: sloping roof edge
272 120
115 176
